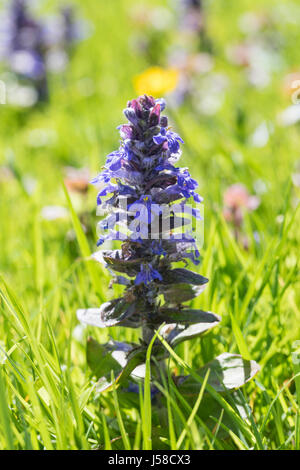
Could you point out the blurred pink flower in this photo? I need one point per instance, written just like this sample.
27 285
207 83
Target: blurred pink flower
237 200
77 179
5 174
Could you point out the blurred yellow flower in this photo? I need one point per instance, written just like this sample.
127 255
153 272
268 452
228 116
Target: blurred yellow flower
156 81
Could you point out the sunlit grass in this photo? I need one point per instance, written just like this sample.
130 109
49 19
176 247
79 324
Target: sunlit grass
48 399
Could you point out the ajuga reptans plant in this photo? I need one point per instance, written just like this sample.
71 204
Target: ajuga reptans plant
150 206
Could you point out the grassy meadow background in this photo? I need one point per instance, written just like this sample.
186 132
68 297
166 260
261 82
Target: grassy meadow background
48 398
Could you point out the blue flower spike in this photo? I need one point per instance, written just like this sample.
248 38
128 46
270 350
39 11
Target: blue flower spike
146 198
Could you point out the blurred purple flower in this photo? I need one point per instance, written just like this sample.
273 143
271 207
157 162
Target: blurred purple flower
31 47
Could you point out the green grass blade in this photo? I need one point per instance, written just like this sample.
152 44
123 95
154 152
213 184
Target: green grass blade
107 440
124 434
5 422
147 398
194 411
241 343
85 249
234 416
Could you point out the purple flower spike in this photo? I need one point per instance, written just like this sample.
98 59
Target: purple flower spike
142 170
144 199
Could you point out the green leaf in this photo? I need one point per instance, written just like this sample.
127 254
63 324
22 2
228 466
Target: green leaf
116 312
109 314
181 275
228 372
176 333
115 260
121 358
187 315
180 285
178 293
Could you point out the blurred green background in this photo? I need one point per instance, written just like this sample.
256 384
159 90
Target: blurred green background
245 141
